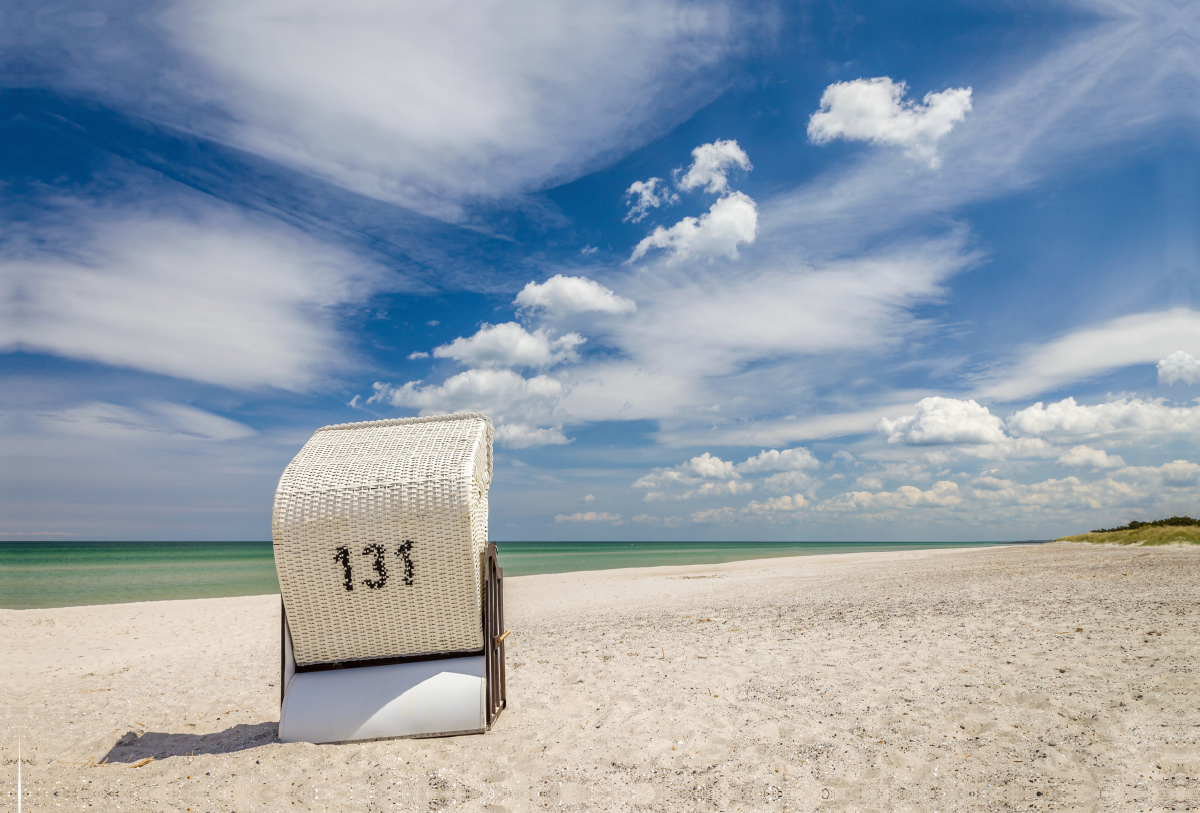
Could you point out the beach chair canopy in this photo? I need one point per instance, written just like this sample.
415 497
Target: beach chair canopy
379 529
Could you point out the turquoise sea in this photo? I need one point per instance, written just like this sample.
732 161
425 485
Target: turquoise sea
69 574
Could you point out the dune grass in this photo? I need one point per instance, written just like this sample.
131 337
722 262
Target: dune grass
1147 536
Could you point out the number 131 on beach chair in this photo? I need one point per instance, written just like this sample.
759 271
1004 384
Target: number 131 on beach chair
393 606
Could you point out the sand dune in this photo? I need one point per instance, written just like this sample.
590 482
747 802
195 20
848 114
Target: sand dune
1043 677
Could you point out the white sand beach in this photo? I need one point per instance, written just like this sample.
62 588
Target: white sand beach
1052 677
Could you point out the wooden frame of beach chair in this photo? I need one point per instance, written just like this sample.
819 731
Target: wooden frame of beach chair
416 648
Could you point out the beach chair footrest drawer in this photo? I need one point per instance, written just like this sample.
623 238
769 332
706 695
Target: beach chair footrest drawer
395 700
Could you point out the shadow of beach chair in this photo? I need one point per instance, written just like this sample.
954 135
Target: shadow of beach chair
393 608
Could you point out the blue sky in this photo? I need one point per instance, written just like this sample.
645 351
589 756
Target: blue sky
825 271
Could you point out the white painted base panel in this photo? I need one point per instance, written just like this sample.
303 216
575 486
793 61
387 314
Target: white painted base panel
398 700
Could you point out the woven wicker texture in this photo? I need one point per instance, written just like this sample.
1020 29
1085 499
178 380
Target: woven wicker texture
378 530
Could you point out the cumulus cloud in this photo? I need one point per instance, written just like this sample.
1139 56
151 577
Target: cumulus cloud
589 516
695 477
1175 474
790 481
642 196
709 466
775 504
1119 417
561 295
1053 495
712 515
511 345
940 420
711 164
731 221
1085 457
775 460
1179 366
525 410
941 494
875 110
691 472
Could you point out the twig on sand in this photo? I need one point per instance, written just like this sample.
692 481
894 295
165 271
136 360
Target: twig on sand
92 763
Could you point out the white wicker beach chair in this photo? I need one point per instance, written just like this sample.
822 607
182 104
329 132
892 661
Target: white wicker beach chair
392 597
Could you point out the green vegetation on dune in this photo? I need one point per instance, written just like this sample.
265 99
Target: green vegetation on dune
1158 523
1173 531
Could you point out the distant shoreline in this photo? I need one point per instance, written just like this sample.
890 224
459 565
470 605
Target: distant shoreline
46 574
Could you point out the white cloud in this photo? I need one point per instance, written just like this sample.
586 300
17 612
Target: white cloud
1120 417
713 515
589 498
104 420
661 478
1141 338
524 410
511 345
669 522
710 489
874 110
708 466
1049 111
941 494
786 503
429 106
731 221
417 354
940 420
687 480
202 293
717 489
711 164
690 473
1085 457
561 295
1175 474
589 516
1179 366
775 460
523 436
1058 496
703 338
646 195
790 481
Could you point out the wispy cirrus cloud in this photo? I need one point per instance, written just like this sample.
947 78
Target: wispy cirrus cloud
184 288
429 107
1140 338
